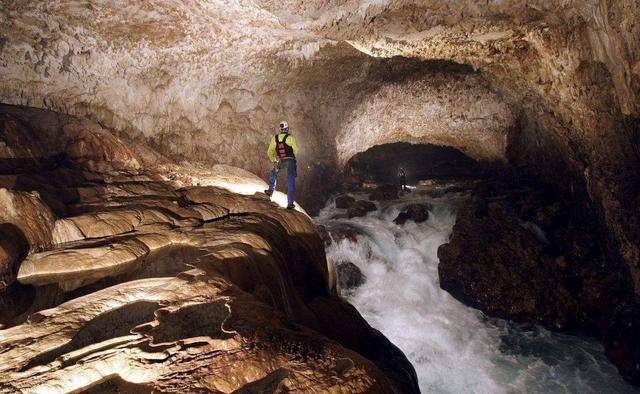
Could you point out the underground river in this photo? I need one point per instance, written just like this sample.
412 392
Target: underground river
454 348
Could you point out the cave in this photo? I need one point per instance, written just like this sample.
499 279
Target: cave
143 249
381 164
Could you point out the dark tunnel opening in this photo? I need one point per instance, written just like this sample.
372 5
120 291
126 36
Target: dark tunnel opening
421 162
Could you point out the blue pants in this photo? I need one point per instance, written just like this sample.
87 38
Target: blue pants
290 165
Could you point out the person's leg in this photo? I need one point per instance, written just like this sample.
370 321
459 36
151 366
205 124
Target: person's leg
291 176
273 178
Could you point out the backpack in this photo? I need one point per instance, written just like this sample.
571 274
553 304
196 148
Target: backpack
282 149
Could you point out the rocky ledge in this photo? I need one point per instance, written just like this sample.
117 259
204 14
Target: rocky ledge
519 253
122 271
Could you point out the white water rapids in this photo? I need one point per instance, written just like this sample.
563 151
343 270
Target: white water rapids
454 348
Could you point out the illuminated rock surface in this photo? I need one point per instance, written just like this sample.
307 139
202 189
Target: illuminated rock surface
136 281
555 87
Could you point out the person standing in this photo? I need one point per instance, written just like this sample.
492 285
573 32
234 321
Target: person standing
403 179
282 152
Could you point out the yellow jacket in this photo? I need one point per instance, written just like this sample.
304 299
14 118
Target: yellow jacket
291 141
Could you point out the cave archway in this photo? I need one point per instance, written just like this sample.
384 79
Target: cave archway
367 101
381 163
441 103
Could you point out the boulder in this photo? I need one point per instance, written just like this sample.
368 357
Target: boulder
417 212
355 208
344 231
324 235
349 275
360 208
401 218
385 192
344 201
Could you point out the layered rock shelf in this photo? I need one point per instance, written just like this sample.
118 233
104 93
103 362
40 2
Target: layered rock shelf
118 277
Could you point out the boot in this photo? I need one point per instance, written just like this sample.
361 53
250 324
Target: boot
268 192
291 206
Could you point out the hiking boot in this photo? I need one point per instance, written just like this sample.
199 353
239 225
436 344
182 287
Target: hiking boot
268 192
291 206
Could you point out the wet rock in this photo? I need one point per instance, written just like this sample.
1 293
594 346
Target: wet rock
622 342
494 263
360 208
344 202
355 208
349 275
417 212
560 279
324 235
385 192
401 218
344 231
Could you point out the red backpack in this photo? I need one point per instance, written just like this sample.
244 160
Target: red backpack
282 149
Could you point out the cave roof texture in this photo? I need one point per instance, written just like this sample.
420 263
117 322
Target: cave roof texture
208 81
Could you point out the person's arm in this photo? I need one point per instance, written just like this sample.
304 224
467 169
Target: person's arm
271 152
292 143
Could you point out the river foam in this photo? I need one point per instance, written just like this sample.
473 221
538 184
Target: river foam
454 348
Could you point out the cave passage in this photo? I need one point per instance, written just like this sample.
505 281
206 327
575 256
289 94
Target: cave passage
381 163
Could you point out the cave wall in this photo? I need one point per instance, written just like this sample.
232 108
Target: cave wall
207 82
571 71
154 76
122 271
445 105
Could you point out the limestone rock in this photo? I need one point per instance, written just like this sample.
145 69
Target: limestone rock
360 208
385 192
344 231
349 275
344 201
516 253
29 213
417 212
138 282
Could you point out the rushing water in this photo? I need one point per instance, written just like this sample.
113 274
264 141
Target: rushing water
454 348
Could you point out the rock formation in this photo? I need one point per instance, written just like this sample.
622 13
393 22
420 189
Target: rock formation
416 212
349 276
519 253
119 273
551 88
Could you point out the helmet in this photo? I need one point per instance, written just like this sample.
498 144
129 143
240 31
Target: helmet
284 126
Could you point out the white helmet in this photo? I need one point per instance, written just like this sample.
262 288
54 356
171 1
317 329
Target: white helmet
284 126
